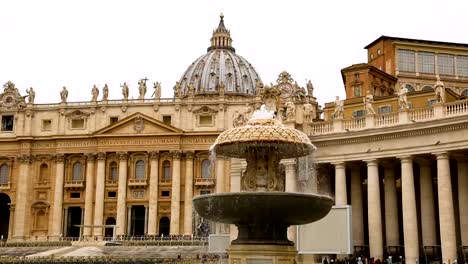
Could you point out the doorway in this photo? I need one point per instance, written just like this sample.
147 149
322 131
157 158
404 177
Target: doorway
74 219
164 224
138 220
5 213
109 230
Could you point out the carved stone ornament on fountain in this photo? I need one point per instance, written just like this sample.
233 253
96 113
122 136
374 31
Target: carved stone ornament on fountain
11 98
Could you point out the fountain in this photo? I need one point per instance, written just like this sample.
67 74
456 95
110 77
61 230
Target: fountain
262 211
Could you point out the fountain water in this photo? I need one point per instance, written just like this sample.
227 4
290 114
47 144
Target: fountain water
263 211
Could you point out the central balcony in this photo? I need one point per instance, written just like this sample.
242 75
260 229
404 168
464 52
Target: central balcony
136 183
77 184
199 181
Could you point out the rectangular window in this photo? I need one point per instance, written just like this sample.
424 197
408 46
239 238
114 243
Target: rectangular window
113 119
406 60
358 113
206 120
445 62
385 109
462 66
431 102
46 124
112 194
167 119
77 123
357 90
165 193
426 62
75 195
7 123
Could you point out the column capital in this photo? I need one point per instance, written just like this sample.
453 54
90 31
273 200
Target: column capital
59 158
154 155
288 162
405 158
441 155
25 158
371 162
101 156
176 154
189 154
90 156
339 165
122 155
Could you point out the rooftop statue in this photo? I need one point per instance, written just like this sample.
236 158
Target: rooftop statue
157 90
64 94
339 108
439 90
368 102
142 88
403 99
125 90
105 92
31 95
94 93
310 88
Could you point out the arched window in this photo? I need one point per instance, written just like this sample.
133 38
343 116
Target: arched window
465 92
4 171
140 170
427 88
206 169
44 173
113 171
77 171
167 170
410 88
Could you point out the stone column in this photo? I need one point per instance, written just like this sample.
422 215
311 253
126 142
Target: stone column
129 220
236 171
58 197
446 210
219 174
99 200
188 193
428 225
462 172
175 199
357 206
22 191
89 194
291 186
391 206
374 210
410 216
341 197
65 221
146 221
153 192
121 194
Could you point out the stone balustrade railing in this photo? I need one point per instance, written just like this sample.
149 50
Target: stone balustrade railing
437 111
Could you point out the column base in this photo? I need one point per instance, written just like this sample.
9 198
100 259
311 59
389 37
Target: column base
267 254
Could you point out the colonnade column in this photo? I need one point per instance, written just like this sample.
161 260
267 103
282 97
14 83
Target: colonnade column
99 200
374 210
188 193
410 217
446 210
121 194
89 194
357 206
428 225
175 199
153 192
462 171
21 198
291 186
341 197
391 206
57 224
219 175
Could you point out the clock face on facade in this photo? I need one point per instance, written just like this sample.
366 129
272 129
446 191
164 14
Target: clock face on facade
8 100
286 90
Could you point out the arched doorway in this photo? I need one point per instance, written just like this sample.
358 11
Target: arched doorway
5 215
109 230
164 224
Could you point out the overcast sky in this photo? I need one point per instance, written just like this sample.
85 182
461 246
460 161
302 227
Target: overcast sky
49 44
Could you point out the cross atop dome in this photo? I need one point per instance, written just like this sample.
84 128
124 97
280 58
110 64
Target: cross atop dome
221 38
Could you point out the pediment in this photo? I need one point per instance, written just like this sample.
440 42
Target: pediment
138 124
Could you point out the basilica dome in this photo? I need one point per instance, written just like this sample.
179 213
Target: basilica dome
220 66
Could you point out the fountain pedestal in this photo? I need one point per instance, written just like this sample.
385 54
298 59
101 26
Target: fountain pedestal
262 254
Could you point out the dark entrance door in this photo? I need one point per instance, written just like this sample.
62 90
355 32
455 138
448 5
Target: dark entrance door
74 218
164 225
109 221
5 215
138 220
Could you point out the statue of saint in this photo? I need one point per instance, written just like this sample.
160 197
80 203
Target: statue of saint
31 95
368 102
191 89
177 90
439 89
402 99
125 90
141 88
290 110
258 87
238 119
64 94
105 92
310 88
94 93
309 113
157 90
339 108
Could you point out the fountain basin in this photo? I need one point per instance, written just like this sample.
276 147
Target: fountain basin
263 217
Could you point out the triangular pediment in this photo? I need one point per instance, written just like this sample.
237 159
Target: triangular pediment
138 124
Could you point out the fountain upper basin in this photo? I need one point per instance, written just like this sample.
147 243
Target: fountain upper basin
263 207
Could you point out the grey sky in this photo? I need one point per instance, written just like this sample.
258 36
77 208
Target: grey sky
49 44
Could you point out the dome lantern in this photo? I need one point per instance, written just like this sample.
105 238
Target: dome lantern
221 38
